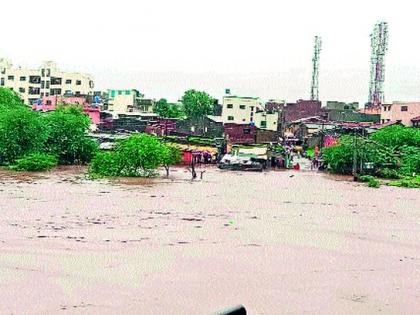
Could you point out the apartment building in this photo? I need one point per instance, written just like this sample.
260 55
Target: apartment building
47 80
126 101
402 112
248 110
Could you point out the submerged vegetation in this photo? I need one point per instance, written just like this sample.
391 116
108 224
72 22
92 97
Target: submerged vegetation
28 138
136 156
393 153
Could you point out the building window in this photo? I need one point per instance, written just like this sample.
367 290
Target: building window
77 93
229 106
22 78
252 108
2 82
42 94
247 131
389 108
119 92
22 90
42 84
47 84
78 82
34 79
242 106
48 72
384 108
43 72
112 93
404 108
55 81
263 124
11 78
33 91
243 119
68 81
48 102
127 92
230 118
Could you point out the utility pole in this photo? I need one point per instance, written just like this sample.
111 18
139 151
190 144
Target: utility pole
355 157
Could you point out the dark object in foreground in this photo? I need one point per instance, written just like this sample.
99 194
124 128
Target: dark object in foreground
236 310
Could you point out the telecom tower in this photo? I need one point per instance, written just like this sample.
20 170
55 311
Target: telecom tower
315 69
379 46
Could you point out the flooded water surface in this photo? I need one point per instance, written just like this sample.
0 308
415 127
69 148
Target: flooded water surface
276 242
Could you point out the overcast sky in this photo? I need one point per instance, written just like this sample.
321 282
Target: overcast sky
255 48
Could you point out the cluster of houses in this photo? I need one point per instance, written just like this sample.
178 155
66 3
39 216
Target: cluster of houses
236 120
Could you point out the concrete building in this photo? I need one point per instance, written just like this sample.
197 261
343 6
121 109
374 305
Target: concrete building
402 112
47 80
301 109
342 106
248 110
128 101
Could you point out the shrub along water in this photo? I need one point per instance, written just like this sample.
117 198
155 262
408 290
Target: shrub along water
62 133
35 162
394 151
137 156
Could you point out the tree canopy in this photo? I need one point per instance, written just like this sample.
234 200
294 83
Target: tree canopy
25 133
9 99
394 151
137 156
167 110
197 103
67 135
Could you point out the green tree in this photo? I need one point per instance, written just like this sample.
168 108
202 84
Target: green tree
171 156
21 132
340 156
139 155
397 136
197 103
67 136
9 99
167 110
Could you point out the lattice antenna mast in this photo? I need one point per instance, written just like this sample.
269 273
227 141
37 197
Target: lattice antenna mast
315 69
379 46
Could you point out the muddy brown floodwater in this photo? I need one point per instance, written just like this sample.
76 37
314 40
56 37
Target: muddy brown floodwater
276 243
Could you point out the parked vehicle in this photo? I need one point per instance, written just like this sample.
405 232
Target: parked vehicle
240 163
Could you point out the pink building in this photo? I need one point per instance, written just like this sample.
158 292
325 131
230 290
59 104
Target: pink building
402 112
49 103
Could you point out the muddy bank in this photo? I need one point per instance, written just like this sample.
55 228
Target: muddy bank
274 242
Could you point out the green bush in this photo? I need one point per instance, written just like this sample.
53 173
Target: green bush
374 183
21 132
67 136
310 152
35 162
139 155
340 156
408 182
106 164
9 99
389 173
366 178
